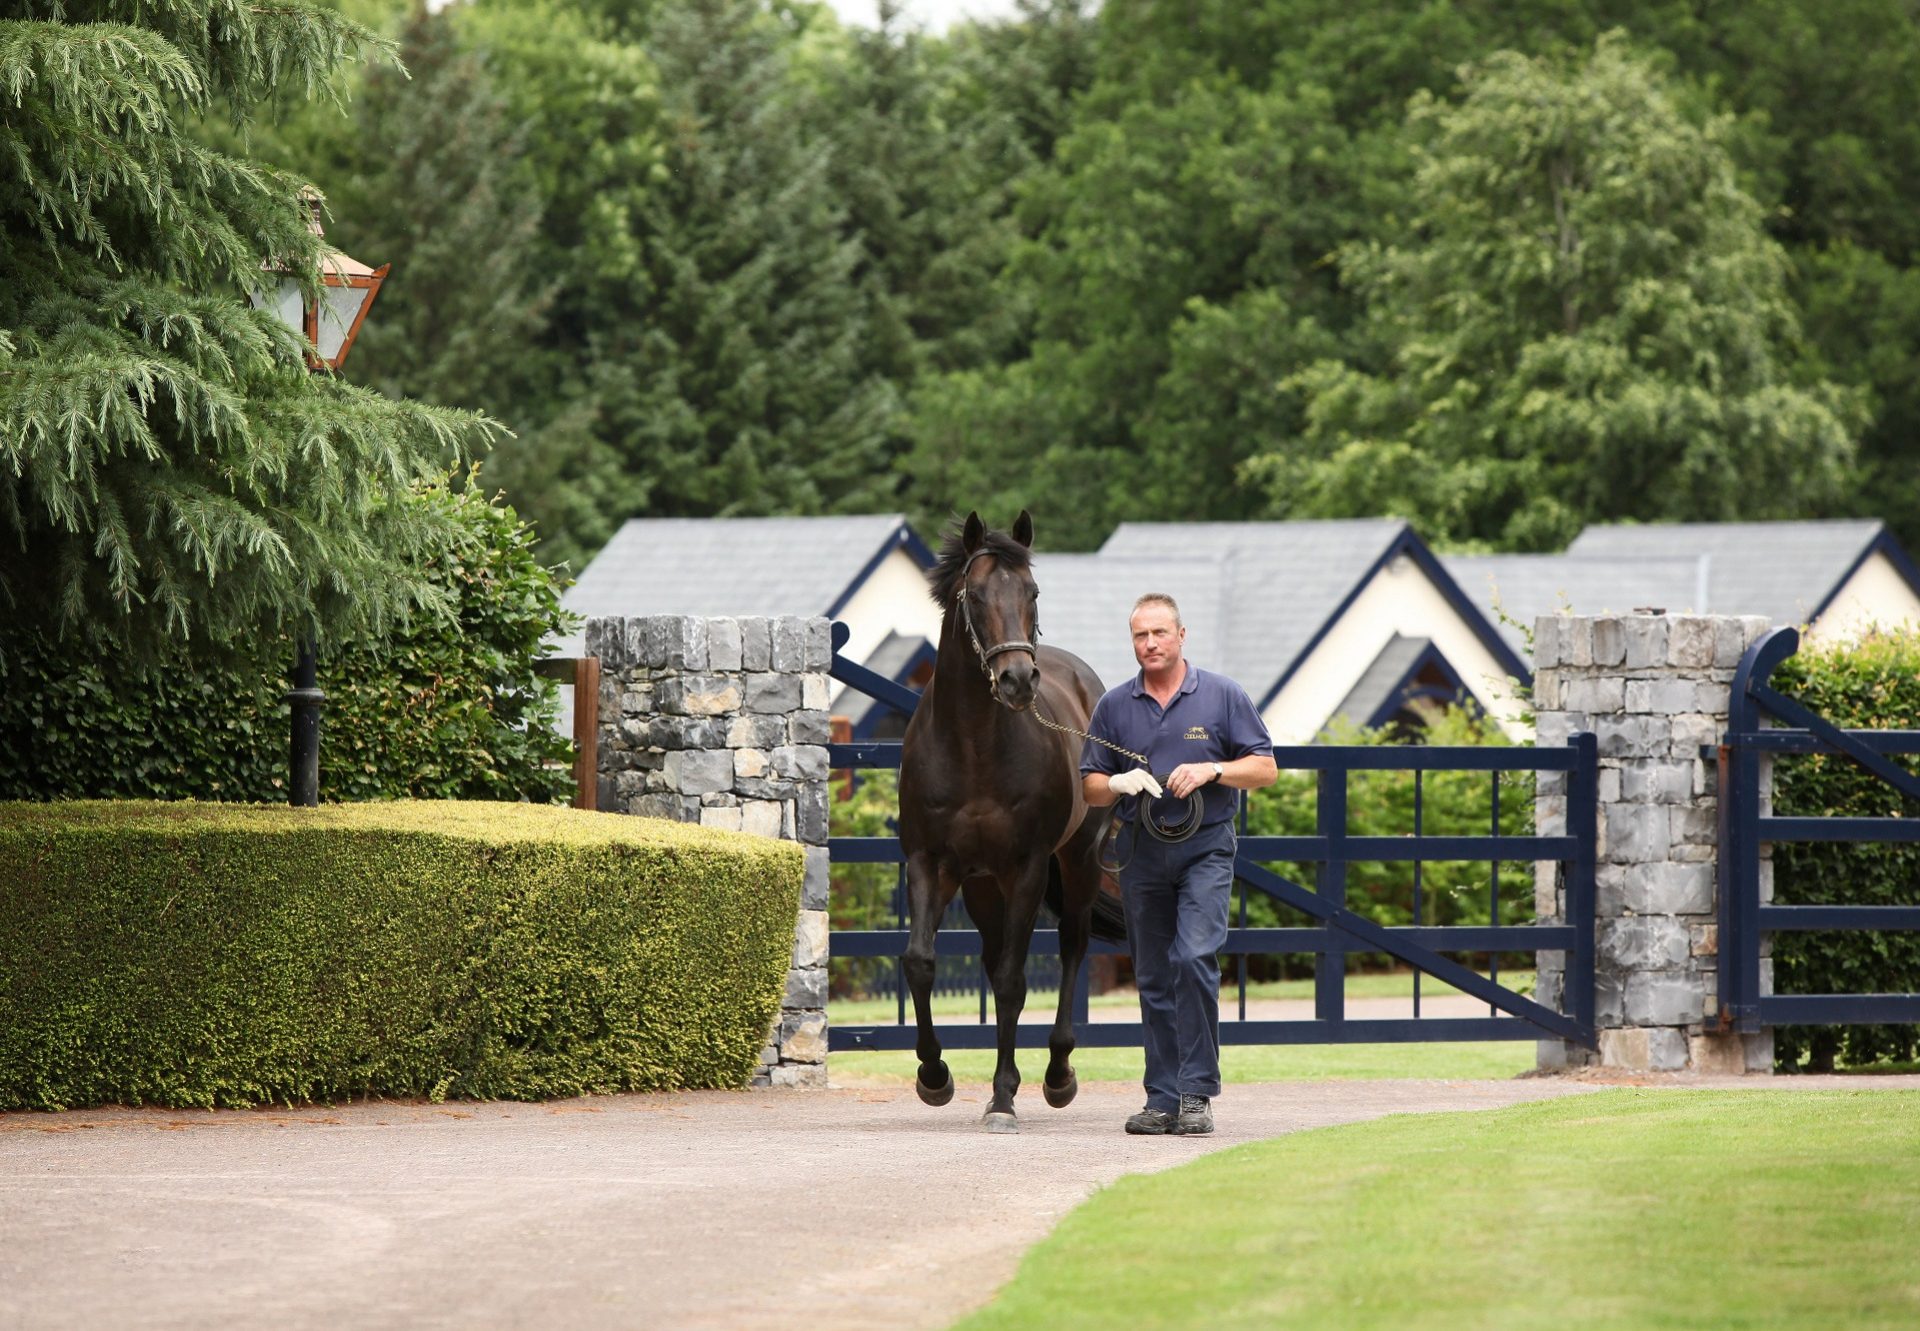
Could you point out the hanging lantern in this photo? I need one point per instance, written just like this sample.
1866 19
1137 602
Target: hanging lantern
347 289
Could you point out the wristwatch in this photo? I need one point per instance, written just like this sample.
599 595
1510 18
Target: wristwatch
1218 771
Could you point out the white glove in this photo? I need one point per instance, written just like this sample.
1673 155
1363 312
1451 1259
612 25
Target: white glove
1132 783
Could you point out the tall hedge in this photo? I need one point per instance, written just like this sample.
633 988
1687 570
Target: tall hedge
1872 685
195 955
438 708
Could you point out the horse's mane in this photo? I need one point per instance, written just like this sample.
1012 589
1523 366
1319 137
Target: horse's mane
943 579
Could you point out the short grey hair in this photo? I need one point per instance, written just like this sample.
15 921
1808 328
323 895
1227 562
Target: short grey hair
1158 598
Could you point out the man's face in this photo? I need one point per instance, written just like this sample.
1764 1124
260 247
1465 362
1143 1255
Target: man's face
1157 639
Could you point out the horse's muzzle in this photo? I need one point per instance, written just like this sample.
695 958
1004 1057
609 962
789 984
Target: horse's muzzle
1016 681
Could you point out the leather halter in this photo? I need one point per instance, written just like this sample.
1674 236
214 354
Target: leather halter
986 654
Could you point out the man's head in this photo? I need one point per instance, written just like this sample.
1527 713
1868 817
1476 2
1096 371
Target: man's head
1158 634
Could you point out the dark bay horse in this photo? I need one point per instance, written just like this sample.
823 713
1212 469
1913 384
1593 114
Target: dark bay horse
990 803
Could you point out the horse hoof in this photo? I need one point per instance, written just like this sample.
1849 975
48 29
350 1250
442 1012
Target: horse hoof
998 1122
934 1095
1061 1096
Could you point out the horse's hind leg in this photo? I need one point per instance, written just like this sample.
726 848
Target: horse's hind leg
925 903
1080 878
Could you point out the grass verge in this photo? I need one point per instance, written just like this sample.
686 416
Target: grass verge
1396 984
1238 1063
1624 1209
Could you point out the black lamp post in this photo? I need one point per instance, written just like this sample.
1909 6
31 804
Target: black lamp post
347 289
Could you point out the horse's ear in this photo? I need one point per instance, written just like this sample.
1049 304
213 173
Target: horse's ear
973 533
1023 529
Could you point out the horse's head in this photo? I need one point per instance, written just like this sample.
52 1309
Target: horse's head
999 604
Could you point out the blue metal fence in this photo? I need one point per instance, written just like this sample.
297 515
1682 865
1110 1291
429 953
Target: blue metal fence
1745 918
1337 930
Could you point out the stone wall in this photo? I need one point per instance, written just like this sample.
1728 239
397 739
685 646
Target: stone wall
1653 689
723 722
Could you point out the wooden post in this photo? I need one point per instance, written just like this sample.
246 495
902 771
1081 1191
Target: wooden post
842 733
583 672
586 732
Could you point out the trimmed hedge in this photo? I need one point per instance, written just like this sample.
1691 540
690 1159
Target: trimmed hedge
1870 685
200 954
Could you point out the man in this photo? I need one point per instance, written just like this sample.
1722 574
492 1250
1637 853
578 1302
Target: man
1201 732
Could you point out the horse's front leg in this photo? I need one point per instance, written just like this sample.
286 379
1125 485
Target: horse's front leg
1080 878
925 906
1022 903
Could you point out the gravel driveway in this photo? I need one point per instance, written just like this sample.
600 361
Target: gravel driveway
846 1208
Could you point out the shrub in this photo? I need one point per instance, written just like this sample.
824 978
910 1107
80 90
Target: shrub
437 708
1871 685
195 955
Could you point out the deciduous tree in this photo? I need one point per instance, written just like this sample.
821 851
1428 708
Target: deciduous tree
1588 321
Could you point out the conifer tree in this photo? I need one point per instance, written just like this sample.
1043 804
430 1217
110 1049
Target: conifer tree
169 467
741 385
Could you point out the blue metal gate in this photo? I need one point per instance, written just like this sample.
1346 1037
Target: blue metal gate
1338 930
1745 918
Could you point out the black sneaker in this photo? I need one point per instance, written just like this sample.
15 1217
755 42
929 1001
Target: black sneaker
1151 1123
1196 1117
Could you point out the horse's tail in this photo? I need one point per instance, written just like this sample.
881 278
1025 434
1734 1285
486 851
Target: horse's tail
1109 919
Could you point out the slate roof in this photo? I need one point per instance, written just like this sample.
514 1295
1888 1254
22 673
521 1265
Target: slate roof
1285 581
1524 587
1783 570
1085 602
894 654
734 566
1381 681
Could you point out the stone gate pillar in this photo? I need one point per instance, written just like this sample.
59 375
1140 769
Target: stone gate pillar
723 722
1653 688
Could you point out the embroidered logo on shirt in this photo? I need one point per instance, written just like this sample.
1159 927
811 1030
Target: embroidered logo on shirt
1196 732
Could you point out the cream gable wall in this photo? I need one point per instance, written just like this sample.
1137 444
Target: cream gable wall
1875 594
1400 598
893 599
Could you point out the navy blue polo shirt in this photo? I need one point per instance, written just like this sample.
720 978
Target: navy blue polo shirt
1211 719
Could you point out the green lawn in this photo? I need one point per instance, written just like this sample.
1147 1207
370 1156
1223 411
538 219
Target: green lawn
1626 1209
1398 984
1238 1063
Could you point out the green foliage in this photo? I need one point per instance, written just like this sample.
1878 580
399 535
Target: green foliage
168 467
1189 261
437 708
1382 804
862 896
1174 280
1871 685
745 388
190 955
1589 323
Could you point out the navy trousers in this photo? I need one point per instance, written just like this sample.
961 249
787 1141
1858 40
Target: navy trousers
1177 898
